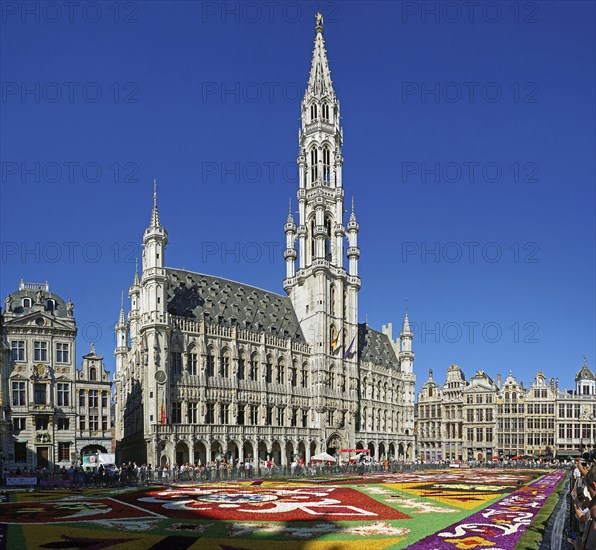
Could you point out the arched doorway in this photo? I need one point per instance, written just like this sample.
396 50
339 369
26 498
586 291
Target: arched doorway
334 445
401 452
276 452
248 451
232 452
289 452
382 454
313 448
360 445
302 450
371 448
216 451
263 451
391 451
200 453
182 456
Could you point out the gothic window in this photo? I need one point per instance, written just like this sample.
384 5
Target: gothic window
224 364
325 109
293 375
332 299
210 362
176 358
176 412
326 165
224 412
314 165
328 239
210 416
193 361
268 370
313 112
281 372
254 367
304 375
332 377
241 366
192 413
312 239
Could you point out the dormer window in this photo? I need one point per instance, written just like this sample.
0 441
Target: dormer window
26 302
50 305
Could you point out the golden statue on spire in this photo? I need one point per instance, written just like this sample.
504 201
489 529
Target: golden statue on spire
319 19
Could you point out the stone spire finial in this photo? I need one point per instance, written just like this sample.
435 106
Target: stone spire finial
154 212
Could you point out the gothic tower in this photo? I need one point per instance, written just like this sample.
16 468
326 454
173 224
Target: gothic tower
153 329
324 294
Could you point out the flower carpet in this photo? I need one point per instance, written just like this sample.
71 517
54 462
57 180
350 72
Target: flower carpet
424 510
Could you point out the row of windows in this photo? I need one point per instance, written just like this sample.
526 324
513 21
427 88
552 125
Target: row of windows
574 431
20 451
482 434
478 415
40 395
40 351
91 423
314 112
247 370
480 398
248 414
19 423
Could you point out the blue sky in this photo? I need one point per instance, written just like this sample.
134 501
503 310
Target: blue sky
469 150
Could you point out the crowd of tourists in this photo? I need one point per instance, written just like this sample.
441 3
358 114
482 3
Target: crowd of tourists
583 505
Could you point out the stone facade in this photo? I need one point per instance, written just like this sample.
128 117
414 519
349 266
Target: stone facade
480 419
208 368
41 422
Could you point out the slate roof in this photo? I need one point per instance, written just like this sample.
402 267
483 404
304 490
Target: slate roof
18 309
375 347
228 303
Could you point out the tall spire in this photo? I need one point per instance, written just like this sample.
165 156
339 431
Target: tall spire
319 82
136 277
154 212
121 319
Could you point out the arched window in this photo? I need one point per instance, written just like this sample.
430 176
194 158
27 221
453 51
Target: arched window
241 365
325 109
26 302
281 372
326 165
312 240
210 360
254 367
92 373
314 165
304 381
269 370
50 305
313 112
332 299
224 364
193 361
328 239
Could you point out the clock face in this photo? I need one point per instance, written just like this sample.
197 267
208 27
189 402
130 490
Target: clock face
161 376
